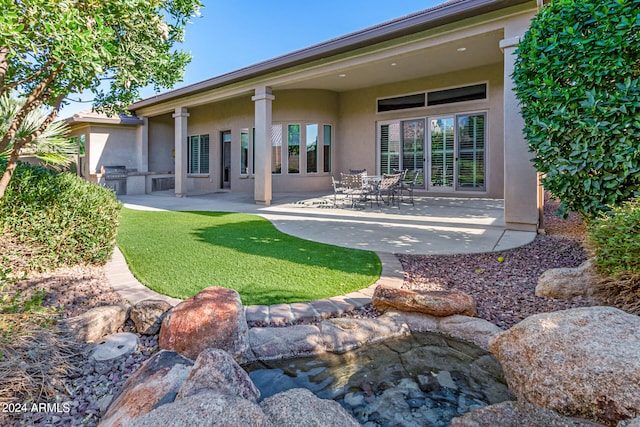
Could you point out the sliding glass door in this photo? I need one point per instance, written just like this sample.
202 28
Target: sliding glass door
450 150
441 153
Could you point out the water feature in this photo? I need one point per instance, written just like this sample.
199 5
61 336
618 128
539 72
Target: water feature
425 379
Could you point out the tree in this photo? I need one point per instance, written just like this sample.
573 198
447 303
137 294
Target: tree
50 49
577 77
51 146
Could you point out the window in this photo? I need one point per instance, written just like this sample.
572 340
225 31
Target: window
389 147
276 149
312 148
401 102
459 94
326 137
198 154
244 151
293 148
471 152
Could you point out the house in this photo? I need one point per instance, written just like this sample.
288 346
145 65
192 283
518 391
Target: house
431 91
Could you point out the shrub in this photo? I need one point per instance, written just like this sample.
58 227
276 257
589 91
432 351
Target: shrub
577 78
615 239
71 220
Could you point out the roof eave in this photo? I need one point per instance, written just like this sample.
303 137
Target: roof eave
443 14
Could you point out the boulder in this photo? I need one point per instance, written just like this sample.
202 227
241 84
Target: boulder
288 342
147 315
517 414
216 371
581 362
472 329
214 318
343 334
566 283
96 323
206 409
434 303
155 383
299 407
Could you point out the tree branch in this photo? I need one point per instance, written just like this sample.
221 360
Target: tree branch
9 86
45 124
4 67
36 98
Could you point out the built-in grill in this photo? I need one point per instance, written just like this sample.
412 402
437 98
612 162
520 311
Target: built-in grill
115 177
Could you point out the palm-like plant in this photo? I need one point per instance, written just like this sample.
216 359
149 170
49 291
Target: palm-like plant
51 147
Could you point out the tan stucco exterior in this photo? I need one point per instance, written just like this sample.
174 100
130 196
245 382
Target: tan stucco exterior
338 84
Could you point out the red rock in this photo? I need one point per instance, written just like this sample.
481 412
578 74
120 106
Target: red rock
434 303
214 318
156 383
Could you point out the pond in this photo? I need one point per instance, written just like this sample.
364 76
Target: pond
424 379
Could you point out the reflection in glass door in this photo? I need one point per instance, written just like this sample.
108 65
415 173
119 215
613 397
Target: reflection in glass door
413 148
441 153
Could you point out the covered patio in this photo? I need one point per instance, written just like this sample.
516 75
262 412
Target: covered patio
433 225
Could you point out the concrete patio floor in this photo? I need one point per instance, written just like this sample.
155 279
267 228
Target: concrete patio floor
435 225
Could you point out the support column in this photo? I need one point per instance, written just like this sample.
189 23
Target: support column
142 145
521 189
180 126
262 183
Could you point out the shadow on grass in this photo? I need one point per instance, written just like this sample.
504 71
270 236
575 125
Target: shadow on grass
180 253
257 236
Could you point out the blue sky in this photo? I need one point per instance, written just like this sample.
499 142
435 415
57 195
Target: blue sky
233 34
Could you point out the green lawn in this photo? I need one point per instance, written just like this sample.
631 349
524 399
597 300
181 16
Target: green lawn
180 253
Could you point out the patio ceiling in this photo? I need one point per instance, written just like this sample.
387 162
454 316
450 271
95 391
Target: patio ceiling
457 55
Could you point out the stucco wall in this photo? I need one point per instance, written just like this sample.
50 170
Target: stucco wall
357 128
161 144
111 146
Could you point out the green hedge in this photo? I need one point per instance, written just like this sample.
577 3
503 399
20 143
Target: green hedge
70 220
615 237
577 77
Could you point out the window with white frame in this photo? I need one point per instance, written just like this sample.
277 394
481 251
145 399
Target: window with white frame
198 154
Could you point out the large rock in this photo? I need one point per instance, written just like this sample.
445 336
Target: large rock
299 407
216 371
566 283
96 323
147 315
434 303
155 383
580 362
207 409
343 334
517 414
214 318
288 342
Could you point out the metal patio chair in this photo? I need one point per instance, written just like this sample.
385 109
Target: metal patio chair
353 187
389 186
408 184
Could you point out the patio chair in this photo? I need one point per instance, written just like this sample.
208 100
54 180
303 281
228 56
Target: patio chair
408 184
353 187
338 188
357 171
389 186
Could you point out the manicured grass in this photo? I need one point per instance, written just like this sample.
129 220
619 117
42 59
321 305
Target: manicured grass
180 253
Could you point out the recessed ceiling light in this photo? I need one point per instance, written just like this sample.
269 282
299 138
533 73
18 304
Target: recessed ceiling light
342 75
461 49
393 64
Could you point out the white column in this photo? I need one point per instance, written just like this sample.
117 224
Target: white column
262 184
521 189
180 117
142 145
